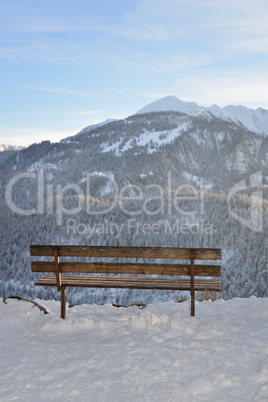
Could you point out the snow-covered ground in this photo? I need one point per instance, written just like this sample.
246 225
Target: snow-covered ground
159 353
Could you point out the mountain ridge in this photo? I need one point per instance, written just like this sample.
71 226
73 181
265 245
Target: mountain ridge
6 147
255 120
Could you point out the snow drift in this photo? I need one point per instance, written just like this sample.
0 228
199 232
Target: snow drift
159 353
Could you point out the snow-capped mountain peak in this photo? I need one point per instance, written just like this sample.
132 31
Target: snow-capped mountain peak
253 120
172 103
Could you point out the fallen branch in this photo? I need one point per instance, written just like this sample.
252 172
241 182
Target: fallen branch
139 305
55 298
31 301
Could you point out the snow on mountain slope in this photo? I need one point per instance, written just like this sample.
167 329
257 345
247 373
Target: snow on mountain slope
151 139
172 103
253 120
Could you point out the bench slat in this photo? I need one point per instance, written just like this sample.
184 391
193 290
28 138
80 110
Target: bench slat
125 268
125 252
130 283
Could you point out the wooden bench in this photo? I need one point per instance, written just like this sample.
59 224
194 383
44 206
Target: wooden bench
196 277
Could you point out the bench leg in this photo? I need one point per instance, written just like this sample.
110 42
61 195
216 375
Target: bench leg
63 303
192 257
192 303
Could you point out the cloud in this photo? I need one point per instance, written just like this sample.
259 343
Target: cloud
152 94
223 88
43 17
47 31
86 113
209 51
58 90
253 45
211 86
212 23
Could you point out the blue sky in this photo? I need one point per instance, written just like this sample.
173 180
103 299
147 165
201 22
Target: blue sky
68 64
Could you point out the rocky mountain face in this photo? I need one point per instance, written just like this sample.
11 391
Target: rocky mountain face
181 178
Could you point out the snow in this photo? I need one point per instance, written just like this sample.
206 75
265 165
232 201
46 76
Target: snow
41 166
242 162
101 174
103 353
114 147
107 189
199 181
253 120
148 138
144 175
171 103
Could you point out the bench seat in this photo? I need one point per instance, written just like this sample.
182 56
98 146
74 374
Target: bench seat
204 285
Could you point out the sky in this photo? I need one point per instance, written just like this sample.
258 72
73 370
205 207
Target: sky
68 64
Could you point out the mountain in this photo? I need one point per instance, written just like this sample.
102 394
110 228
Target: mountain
4 147
157 178
89 128
7 150
172 103
253 120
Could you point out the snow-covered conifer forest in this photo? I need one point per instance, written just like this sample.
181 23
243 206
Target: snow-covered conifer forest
157 178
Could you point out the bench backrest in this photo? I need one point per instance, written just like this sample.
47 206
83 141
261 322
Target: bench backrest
144 268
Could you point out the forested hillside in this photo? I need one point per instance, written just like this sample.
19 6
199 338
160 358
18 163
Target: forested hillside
153 179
